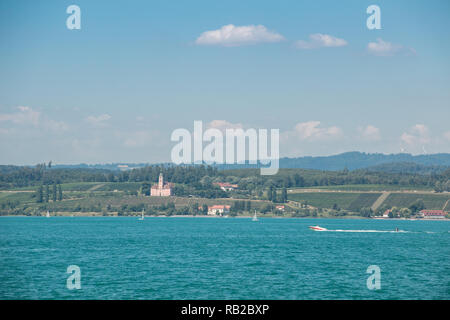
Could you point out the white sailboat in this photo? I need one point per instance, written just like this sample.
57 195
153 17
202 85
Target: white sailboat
255 218
142 215
48 214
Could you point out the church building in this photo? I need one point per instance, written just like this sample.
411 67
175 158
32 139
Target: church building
161 189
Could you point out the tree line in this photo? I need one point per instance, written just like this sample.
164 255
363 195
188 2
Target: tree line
199 180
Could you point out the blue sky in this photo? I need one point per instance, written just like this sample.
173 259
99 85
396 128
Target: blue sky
116 89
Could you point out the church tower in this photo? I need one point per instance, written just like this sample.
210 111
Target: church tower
161 181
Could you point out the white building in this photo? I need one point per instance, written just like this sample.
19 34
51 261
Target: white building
218 209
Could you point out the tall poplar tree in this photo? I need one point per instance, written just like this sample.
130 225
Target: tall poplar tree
60 193
40 194
54 192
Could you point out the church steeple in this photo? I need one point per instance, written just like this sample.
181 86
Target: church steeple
161 181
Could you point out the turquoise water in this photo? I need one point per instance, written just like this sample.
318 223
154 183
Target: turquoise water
201 258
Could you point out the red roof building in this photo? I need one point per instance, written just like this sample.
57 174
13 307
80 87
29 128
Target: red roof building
218 209
225 186
436 214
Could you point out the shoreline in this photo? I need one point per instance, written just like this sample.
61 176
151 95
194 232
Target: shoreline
220 217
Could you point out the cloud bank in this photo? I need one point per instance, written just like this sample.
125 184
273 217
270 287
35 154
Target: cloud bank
232 36
384 48
311 131
417 136
370 133
319 40
98 121
27 116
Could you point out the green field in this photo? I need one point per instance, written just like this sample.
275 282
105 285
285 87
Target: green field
120 186
447 207
364 200
325 199
365 187
74 186
16 197
431 201
79 186
354 201
97 186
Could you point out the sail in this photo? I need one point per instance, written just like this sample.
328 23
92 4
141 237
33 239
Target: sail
255 218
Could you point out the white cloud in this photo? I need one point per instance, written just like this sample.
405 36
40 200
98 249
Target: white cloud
231 36
99 121
311 138
408 138
319 40
57 126
25 116
310 131
223 125
370 132
421 129
418 135
383 48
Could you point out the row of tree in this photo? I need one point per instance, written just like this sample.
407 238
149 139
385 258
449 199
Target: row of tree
273 196
441 186
43 193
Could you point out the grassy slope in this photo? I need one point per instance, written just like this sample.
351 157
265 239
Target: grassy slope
325 199
431 201
365 187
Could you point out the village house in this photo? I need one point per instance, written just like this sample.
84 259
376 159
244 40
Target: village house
226 186
279 208
161 189
218 209
433 214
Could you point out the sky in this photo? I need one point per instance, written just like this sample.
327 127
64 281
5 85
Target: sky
115 90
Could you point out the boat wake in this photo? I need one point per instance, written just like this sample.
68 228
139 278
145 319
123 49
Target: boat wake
379 231
371 231
321 229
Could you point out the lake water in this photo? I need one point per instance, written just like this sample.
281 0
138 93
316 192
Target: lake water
235 258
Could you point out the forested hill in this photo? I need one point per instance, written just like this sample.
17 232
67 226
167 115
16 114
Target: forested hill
402 162
407 167
398 163
359 160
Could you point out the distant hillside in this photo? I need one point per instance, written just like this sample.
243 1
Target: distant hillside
104 166
407 167
359 160
351 160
